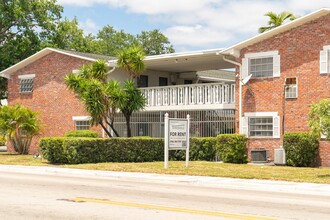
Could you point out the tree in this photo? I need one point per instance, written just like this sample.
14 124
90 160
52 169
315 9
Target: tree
22 25
154 42
130 100
131 60
319 117
91 85
20 124
111 41
69 36
276 20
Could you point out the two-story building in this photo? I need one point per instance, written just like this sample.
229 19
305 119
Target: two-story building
178 84
285 70
279 74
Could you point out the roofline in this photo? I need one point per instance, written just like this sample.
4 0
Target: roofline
275 31
7 72
174 55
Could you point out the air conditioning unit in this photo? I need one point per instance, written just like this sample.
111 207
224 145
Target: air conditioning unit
279 156
259 155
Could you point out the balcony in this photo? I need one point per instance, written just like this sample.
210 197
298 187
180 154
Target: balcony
190 97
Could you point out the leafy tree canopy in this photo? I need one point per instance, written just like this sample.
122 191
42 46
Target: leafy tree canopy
319 117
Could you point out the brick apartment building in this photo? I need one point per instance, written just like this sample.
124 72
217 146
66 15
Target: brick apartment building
289 68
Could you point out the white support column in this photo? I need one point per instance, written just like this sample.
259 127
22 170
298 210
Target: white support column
188 140
166 120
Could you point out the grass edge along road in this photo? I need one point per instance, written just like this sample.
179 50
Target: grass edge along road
196 168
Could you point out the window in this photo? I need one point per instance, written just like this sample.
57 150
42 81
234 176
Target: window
26 83
261 124
142 81
163 81
291 88
261 127
263 64
188 81
261 67
82 122
325 60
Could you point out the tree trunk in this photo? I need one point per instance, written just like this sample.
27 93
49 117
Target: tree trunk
113 129
128 125
105 129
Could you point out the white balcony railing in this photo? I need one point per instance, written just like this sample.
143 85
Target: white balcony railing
190 95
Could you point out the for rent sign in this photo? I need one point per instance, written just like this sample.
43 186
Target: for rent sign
176 136
178 133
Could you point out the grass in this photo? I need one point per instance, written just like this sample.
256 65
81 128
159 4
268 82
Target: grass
196 168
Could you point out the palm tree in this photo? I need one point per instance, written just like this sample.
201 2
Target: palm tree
131 60
91 85
20 124
130 100
276 20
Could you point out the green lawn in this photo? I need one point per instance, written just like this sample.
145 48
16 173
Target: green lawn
200 168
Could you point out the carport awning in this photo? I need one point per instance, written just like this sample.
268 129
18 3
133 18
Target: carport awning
186 61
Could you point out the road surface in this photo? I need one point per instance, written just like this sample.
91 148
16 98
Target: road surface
33 194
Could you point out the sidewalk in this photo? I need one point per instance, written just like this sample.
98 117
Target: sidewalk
258 185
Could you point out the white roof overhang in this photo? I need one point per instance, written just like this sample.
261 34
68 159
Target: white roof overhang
186 61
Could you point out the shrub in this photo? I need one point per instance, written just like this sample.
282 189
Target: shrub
94 150
53 149
199 149
82 133
301 148
232 148
2 140
20 124
144 149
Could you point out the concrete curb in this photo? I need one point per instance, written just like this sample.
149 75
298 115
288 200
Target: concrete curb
248 184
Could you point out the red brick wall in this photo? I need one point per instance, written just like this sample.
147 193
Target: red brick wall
299 49
51 98
324 154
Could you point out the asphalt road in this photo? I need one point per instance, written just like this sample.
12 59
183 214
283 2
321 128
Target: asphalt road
41 194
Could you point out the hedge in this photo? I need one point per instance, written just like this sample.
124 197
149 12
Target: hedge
94 150
232 148
82 133
301 148
200 149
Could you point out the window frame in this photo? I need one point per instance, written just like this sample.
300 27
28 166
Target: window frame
77 119
261 124
291 86
276 65
325 60
26 77
276 124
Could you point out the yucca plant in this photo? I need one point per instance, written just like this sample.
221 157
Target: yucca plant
20 125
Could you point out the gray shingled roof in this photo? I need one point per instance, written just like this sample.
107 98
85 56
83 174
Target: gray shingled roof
88 55
219 74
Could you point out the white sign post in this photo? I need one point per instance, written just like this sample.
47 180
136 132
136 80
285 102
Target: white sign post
176 136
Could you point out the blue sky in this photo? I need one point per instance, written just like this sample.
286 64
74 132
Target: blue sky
189 24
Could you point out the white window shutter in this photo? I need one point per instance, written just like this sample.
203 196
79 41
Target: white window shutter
276 66
323 61
245 125
276 127
245 68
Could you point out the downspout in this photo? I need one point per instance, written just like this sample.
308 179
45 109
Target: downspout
240 92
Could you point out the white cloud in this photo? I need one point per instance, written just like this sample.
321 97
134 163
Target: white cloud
89 26
206 23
